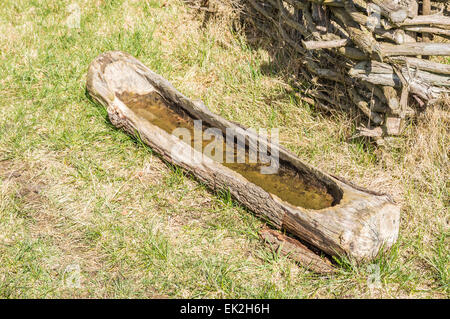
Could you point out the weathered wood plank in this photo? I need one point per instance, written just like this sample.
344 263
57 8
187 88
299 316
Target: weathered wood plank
295 250
419 48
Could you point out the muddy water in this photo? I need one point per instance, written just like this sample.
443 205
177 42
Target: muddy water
287 184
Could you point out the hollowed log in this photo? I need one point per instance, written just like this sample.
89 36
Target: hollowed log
329 213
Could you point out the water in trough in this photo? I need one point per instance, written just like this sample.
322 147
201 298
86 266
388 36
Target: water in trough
288 183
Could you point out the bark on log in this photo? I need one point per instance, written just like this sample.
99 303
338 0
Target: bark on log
298 252
392 99
426 10
316 45
352 53
359 224
397 11
364 107
409 49
435 20
362 38
428 30
424 65
424 83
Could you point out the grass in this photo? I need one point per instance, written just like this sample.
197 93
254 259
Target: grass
81 200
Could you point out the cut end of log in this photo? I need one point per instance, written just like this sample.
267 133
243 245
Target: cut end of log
381 230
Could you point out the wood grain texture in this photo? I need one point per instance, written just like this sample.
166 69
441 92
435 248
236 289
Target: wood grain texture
359 225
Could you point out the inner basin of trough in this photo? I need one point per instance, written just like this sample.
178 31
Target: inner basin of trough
288 183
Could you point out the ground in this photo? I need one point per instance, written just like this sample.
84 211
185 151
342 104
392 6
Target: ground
87 211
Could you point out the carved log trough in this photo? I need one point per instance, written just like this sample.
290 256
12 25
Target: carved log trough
327 212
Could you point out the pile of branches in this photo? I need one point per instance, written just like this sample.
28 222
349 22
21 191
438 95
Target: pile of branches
378 56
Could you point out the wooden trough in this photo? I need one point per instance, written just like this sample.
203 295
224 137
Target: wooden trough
331 214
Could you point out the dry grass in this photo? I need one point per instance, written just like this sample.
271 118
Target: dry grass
75 193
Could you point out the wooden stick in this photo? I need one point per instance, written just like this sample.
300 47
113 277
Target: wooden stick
364 107
316 45
428 30
431 20
425 65
419 82
352 53
359 35
376 69
426 10
409 49
381 102
298 252
396 11
392 99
